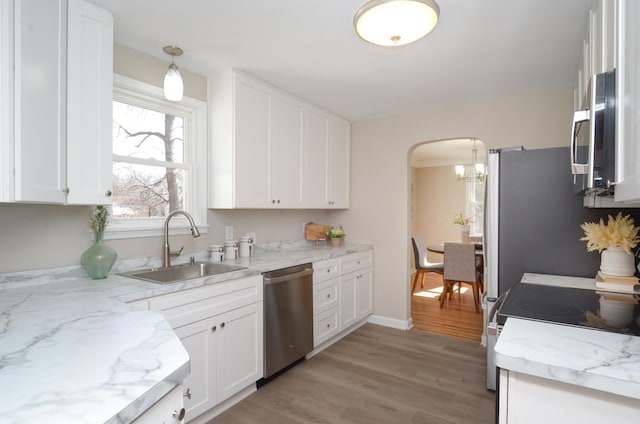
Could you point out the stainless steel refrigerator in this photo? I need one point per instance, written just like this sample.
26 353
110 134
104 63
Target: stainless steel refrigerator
532 224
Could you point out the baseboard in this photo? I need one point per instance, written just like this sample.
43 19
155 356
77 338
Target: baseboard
391 322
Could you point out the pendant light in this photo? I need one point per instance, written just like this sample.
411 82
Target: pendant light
173 86
472 172
396 22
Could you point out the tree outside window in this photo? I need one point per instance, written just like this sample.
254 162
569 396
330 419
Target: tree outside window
149 167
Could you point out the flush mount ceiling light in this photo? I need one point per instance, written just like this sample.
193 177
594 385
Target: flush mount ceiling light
396 22
173 86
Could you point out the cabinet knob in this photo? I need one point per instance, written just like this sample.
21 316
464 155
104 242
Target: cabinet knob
222 325
329 296
108 193
328 271
187 394
213 328
180 414
65 190
273 201
328 325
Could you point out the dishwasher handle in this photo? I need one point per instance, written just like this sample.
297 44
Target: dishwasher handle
287 277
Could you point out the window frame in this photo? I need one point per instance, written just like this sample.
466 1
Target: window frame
194 113
470 202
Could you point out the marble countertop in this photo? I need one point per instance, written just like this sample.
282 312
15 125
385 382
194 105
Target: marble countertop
596 359
599 360
72 350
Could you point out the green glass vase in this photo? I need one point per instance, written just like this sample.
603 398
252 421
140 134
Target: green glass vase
98 259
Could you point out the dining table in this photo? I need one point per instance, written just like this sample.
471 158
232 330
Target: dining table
439 248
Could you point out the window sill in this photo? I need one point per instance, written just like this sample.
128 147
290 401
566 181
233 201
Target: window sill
128 230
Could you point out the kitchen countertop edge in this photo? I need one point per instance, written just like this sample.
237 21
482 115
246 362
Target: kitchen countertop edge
605 361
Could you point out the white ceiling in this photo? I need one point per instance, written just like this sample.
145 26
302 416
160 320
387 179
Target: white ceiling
309 48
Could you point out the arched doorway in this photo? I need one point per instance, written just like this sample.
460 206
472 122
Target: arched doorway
437 194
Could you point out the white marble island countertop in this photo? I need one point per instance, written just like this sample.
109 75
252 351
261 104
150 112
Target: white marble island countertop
72 350
599 360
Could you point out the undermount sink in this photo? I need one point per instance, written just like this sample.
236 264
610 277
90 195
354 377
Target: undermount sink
181 272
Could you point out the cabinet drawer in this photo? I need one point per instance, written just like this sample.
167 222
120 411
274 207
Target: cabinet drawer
325 326
199 303
325 295
356 261
325 270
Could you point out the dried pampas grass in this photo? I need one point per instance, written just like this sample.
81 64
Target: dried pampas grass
617 232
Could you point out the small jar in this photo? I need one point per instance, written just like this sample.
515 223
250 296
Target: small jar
216 253
230 250
246 247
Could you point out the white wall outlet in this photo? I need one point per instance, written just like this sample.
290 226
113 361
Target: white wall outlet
229 232
252 236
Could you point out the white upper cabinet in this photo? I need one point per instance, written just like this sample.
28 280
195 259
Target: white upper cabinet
57 102
286 152
264 145
598 50
40 97
628 101
327 171
256 144
89 104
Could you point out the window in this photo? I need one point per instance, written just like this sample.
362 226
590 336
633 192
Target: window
159 159
475 205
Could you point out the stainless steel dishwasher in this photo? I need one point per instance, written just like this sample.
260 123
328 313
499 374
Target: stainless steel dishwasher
288 317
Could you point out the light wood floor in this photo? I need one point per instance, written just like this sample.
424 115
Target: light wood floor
457 318
377 375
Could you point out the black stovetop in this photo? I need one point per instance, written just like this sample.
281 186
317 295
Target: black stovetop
600 310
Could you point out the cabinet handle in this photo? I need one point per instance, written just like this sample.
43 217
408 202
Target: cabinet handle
222 325
213 328
329 296
65 190
187 394
108 193
179 415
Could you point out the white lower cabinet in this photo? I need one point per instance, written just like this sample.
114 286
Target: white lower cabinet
526 399
168 410
342 294
221 327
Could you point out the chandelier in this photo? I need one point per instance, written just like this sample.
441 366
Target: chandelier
475 171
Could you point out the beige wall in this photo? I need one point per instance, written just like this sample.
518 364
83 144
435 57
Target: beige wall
380 183
43 236
435 195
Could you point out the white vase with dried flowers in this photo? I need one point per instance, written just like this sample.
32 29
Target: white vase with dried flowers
614 240
99 258
464 223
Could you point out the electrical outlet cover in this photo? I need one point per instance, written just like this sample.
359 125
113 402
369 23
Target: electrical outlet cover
229 232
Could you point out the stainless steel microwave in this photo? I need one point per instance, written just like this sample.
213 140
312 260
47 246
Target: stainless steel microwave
593 137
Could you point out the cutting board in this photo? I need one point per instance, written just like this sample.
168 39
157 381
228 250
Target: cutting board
316 231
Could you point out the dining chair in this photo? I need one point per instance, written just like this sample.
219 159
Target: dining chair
460 266
423 266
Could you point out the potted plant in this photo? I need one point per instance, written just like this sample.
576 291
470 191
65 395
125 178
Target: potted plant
458 218
98 259
336 236
614 240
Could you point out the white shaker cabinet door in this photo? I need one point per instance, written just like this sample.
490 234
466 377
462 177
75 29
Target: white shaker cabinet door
240 349
286 155
89 104
40 100
628 101
200 341
339 157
